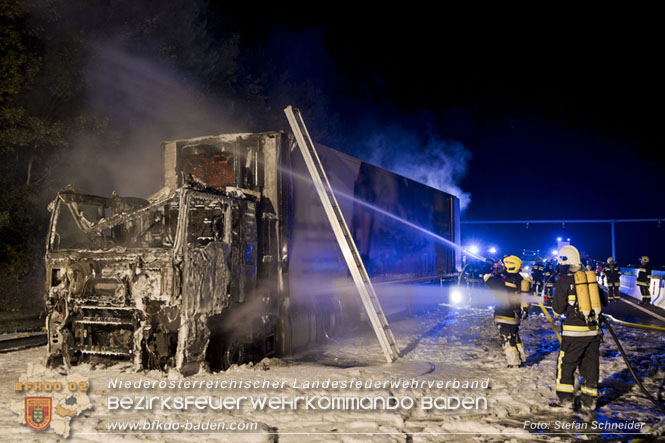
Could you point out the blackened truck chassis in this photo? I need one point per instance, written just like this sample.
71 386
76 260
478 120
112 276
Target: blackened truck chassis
153 284
232 260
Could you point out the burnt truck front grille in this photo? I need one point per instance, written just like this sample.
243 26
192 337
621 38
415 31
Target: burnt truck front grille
105 292
107 308
104 321
111 352
105 330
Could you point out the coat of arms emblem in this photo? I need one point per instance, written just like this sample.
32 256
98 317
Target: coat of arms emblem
38 412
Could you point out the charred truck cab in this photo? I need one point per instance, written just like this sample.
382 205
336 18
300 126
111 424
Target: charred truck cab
232 260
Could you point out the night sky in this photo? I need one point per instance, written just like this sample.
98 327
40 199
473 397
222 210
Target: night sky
563 120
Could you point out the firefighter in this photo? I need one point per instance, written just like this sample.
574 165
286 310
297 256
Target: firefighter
508 284
537 274
488 266
580 331
471 275
644 280
612 277
600 273
548 277
477 274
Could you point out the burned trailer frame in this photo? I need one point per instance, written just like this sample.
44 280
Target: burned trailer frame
233 259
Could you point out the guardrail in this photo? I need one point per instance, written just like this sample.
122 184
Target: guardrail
16 342
629 286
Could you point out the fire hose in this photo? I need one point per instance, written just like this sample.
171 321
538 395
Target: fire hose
630 368
657 429
549 319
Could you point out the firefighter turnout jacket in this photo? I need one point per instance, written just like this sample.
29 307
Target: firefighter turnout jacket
644 275
537 272
565 303
548 274
508 310
612 274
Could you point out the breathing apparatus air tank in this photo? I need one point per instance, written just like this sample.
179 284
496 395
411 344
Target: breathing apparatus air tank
582 290
594 293
525 286
525 289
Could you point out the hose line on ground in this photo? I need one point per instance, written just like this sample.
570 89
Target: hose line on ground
549 319
630 368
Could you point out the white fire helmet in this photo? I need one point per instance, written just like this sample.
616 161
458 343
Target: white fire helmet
569 255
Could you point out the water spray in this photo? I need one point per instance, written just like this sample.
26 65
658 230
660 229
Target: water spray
393 216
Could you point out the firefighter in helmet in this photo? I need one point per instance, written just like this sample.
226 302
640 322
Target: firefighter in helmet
612 277
473 275
537 274
644 280
548 277
574 297
507 286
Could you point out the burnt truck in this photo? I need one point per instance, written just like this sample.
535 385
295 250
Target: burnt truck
233 259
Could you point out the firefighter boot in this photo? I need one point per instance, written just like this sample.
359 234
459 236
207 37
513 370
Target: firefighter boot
521 353
587 403
564 400
512 355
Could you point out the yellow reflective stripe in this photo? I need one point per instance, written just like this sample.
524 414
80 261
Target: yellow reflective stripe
642 283
508 320
642 270
580 333
565 388
510 285
572 297
579 328
558 368
503 317
590 391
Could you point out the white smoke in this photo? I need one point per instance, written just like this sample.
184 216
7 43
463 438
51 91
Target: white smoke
438 163
143 102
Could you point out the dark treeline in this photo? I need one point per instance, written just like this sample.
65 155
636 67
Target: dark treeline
57 127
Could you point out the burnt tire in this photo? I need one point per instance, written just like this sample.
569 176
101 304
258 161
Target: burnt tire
332 318
233 353
284 342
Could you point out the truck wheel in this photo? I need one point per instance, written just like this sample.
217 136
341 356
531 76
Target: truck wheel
332 318
233 354
283 334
